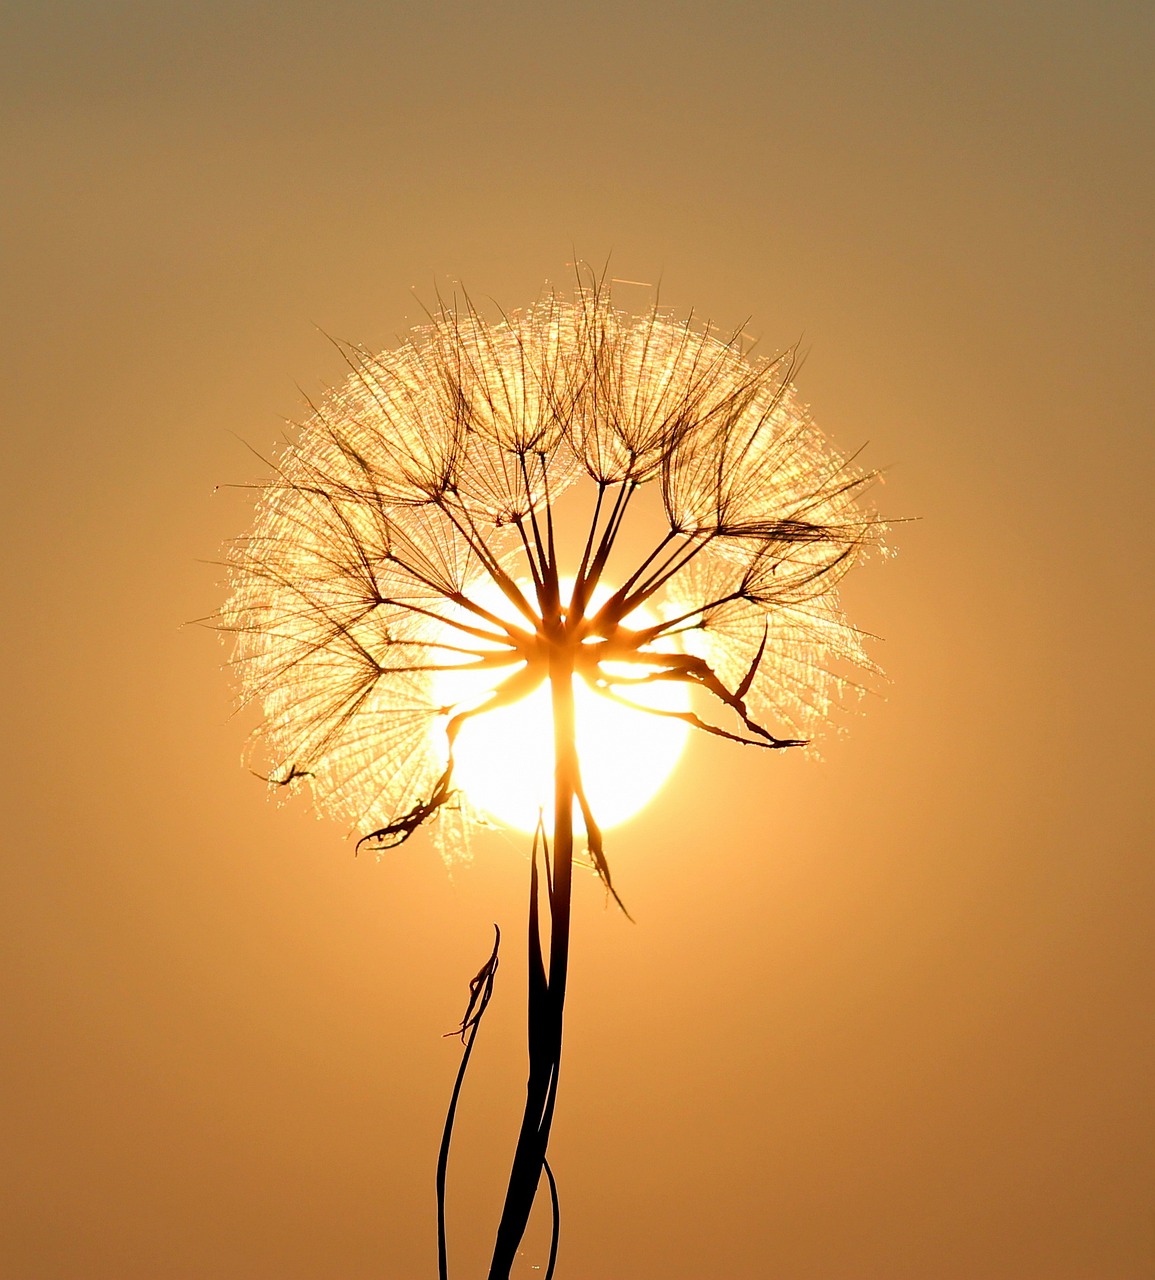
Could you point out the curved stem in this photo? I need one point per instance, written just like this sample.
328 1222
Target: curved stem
556 1206
480 991
547 992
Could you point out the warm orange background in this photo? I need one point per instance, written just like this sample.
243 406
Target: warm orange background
888 1016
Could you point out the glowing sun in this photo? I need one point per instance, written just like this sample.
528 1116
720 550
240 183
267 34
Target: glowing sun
505 759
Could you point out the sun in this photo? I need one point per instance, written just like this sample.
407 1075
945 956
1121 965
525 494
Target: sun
504 759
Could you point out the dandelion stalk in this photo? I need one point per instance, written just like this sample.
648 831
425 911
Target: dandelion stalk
547 1003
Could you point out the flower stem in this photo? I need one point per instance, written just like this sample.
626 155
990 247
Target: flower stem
480 991
546 993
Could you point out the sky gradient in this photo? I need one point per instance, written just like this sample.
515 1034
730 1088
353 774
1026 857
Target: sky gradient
887 1015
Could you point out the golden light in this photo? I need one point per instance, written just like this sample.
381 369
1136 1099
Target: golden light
505 761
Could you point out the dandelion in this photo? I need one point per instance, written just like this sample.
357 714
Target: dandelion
422 529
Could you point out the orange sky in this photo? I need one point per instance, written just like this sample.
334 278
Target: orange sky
886 1016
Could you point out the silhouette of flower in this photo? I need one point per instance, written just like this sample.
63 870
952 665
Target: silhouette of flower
437 469
440 479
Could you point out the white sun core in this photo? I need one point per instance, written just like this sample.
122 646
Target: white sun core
504 759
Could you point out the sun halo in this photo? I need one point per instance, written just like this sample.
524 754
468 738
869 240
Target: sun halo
504 759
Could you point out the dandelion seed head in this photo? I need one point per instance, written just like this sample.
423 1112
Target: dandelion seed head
432 476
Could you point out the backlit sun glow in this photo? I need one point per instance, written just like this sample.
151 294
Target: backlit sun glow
504 759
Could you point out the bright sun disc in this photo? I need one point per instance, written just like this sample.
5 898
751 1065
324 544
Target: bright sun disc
504 760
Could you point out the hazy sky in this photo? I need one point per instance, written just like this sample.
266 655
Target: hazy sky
883 1017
